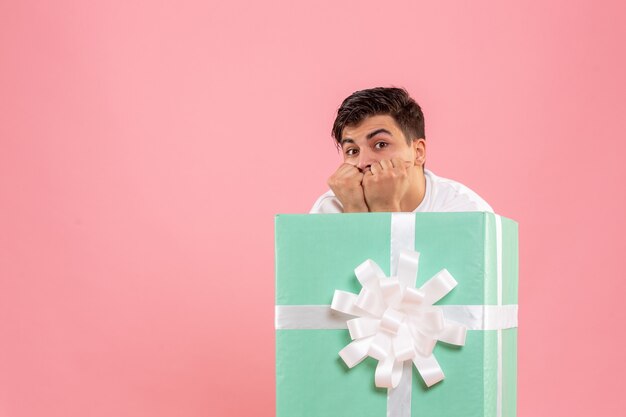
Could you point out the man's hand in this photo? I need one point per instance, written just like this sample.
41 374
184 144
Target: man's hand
385 184
346 184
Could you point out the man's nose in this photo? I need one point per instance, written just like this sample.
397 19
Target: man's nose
366 158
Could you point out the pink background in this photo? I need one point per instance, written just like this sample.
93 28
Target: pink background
146 146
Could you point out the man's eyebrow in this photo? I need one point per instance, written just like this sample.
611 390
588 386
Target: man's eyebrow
376 132
369 135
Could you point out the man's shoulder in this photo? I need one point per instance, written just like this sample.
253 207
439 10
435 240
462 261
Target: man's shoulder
451 195
327 203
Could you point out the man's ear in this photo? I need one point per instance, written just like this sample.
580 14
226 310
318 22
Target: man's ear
419 146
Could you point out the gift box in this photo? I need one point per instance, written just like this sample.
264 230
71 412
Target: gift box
474 255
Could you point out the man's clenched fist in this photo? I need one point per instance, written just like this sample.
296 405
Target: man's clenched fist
346 183
385 184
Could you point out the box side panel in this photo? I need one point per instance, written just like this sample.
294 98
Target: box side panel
510 261
491 260
506 293
490 381
509 373
312 380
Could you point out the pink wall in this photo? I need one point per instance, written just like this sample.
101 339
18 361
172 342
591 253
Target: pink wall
144 150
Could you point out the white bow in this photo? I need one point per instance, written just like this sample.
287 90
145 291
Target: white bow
397 322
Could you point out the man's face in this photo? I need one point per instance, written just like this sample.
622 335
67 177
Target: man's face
377 138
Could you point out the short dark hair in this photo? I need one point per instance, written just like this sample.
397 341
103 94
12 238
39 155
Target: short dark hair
391 101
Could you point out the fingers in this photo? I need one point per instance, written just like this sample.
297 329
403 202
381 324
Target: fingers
346 182
376 167
386 164
351 173
346 169
345 174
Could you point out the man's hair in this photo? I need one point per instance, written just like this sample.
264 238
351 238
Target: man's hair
391 101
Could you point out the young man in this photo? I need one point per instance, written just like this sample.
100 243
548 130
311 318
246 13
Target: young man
380 132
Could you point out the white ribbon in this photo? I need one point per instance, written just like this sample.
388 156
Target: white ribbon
397 322
321 317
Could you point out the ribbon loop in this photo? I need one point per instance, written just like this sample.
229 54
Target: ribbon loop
362 327
438 286
370 301
392 292
345 302
429 369
380 348
391 321
403 347
433 321
423 343
368 271
453 334
388 373
355 352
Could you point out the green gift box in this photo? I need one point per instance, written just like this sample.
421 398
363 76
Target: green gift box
318 254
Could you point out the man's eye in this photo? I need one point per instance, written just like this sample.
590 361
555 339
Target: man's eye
380 145
352 151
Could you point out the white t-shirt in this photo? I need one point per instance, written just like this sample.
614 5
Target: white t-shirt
441 194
